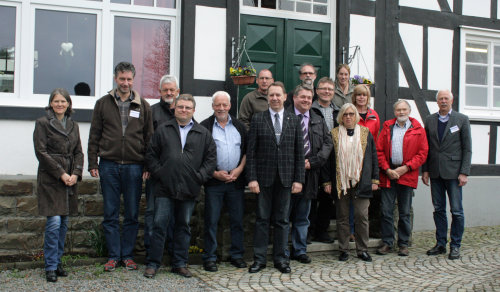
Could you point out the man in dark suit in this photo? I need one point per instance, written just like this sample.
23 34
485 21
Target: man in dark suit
448 165
275 168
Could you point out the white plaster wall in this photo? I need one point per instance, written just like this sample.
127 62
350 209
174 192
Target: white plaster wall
203 108
17 155
432 105
362 33
210 43
440 54
402 77
480 143
414 111
423 4
480 8
478 195
412 36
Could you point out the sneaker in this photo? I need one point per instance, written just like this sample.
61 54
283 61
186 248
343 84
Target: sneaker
130 264
384 249
403 251
110 266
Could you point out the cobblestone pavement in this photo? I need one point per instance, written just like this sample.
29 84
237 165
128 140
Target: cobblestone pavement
477 270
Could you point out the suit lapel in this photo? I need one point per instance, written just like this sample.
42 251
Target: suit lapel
269 123
286 121
433 126
451 121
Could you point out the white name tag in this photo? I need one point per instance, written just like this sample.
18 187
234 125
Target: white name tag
454 129
135 114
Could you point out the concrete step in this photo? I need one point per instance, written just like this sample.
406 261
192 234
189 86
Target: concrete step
373 243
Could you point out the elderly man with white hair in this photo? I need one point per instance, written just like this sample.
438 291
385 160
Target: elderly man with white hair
228 182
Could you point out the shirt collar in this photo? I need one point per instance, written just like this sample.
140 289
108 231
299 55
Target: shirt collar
447 115
229 120
297 112
130 97
188 124
273 112
406 126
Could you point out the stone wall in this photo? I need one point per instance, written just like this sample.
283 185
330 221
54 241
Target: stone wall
22 229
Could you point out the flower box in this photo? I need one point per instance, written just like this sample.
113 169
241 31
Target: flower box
243 80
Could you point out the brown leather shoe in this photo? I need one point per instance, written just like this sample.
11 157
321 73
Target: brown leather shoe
403 251
384 249
150 272
183 271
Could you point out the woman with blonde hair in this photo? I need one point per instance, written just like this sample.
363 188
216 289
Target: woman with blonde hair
352 175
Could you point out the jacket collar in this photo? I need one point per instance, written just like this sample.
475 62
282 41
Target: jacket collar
137 97
56 124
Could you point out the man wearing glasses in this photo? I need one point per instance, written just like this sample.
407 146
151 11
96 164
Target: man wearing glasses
307 75
256 101
180 169
322 208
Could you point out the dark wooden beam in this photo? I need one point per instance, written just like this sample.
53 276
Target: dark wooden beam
342 33
363 7
444 6
485 170
412 80
406 93
492 155
425 57
494 9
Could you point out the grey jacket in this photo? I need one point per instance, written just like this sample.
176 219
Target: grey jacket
452 156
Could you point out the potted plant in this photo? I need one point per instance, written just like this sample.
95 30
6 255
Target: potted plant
357 79
243 75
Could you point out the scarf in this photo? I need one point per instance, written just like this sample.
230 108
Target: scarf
350 158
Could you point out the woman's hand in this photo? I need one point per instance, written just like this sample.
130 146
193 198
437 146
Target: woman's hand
374 187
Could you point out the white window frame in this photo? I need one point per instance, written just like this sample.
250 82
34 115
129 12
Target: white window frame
106 12
290 14
490 37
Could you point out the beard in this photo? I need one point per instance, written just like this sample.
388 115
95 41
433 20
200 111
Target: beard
402 119
169 100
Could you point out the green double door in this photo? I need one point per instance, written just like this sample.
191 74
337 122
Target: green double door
282 45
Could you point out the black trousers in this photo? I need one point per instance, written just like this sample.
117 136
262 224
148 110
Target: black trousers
322 211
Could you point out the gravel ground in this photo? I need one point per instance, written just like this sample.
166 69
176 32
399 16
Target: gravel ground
93 278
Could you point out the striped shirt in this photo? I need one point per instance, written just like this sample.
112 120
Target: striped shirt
398 134
124 107
327 113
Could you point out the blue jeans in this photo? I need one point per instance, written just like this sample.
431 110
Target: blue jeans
404 195
165 210
439 188
299 214
117 179
53 246
272 205
215 197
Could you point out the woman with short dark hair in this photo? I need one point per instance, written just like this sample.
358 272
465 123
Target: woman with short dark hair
59 151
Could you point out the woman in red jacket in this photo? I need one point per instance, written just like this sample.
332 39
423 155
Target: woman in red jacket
369 117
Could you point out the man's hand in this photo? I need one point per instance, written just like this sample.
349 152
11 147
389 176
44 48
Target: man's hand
222 175
308 165
235 173
425 178
145 175
392 174
296 187
374 187
254 187
462 180
401 170
94 172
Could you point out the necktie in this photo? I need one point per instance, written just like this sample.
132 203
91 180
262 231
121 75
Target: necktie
307 146
277 127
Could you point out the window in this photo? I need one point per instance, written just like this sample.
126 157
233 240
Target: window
7 48
480 74
301 9
65 46
75 44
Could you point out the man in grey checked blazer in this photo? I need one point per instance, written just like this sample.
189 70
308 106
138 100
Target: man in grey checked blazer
275 169
448 165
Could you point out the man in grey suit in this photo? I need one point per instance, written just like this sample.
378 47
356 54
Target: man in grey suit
447 165
275 169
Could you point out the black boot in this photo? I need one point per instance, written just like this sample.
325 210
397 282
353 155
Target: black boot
60 271
51 276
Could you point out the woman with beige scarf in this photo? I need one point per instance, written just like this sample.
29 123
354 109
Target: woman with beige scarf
353 173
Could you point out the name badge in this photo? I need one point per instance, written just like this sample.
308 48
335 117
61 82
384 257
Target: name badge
135 114
454 129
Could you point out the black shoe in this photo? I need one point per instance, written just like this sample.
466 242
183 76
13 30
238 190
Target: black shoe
325 238
256 267
283 267
303 258
150 272
344 256
437 249
365 256
454 253
51 276
210 266
239 263
61 272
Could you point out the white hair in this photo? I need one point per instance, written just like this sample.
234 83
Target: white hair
401 101
169 79
221 93
441 90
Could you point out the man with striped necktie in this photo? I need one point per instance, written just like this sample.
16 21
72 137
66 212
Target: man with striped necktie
317 147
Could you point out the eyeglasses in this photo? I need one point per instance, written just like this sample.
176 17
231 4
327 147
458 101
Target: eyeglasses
183 107
349 115
326 88
307 73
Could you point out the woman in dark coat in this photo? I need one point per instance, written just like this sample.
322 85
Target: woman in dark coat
352 176
59 151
